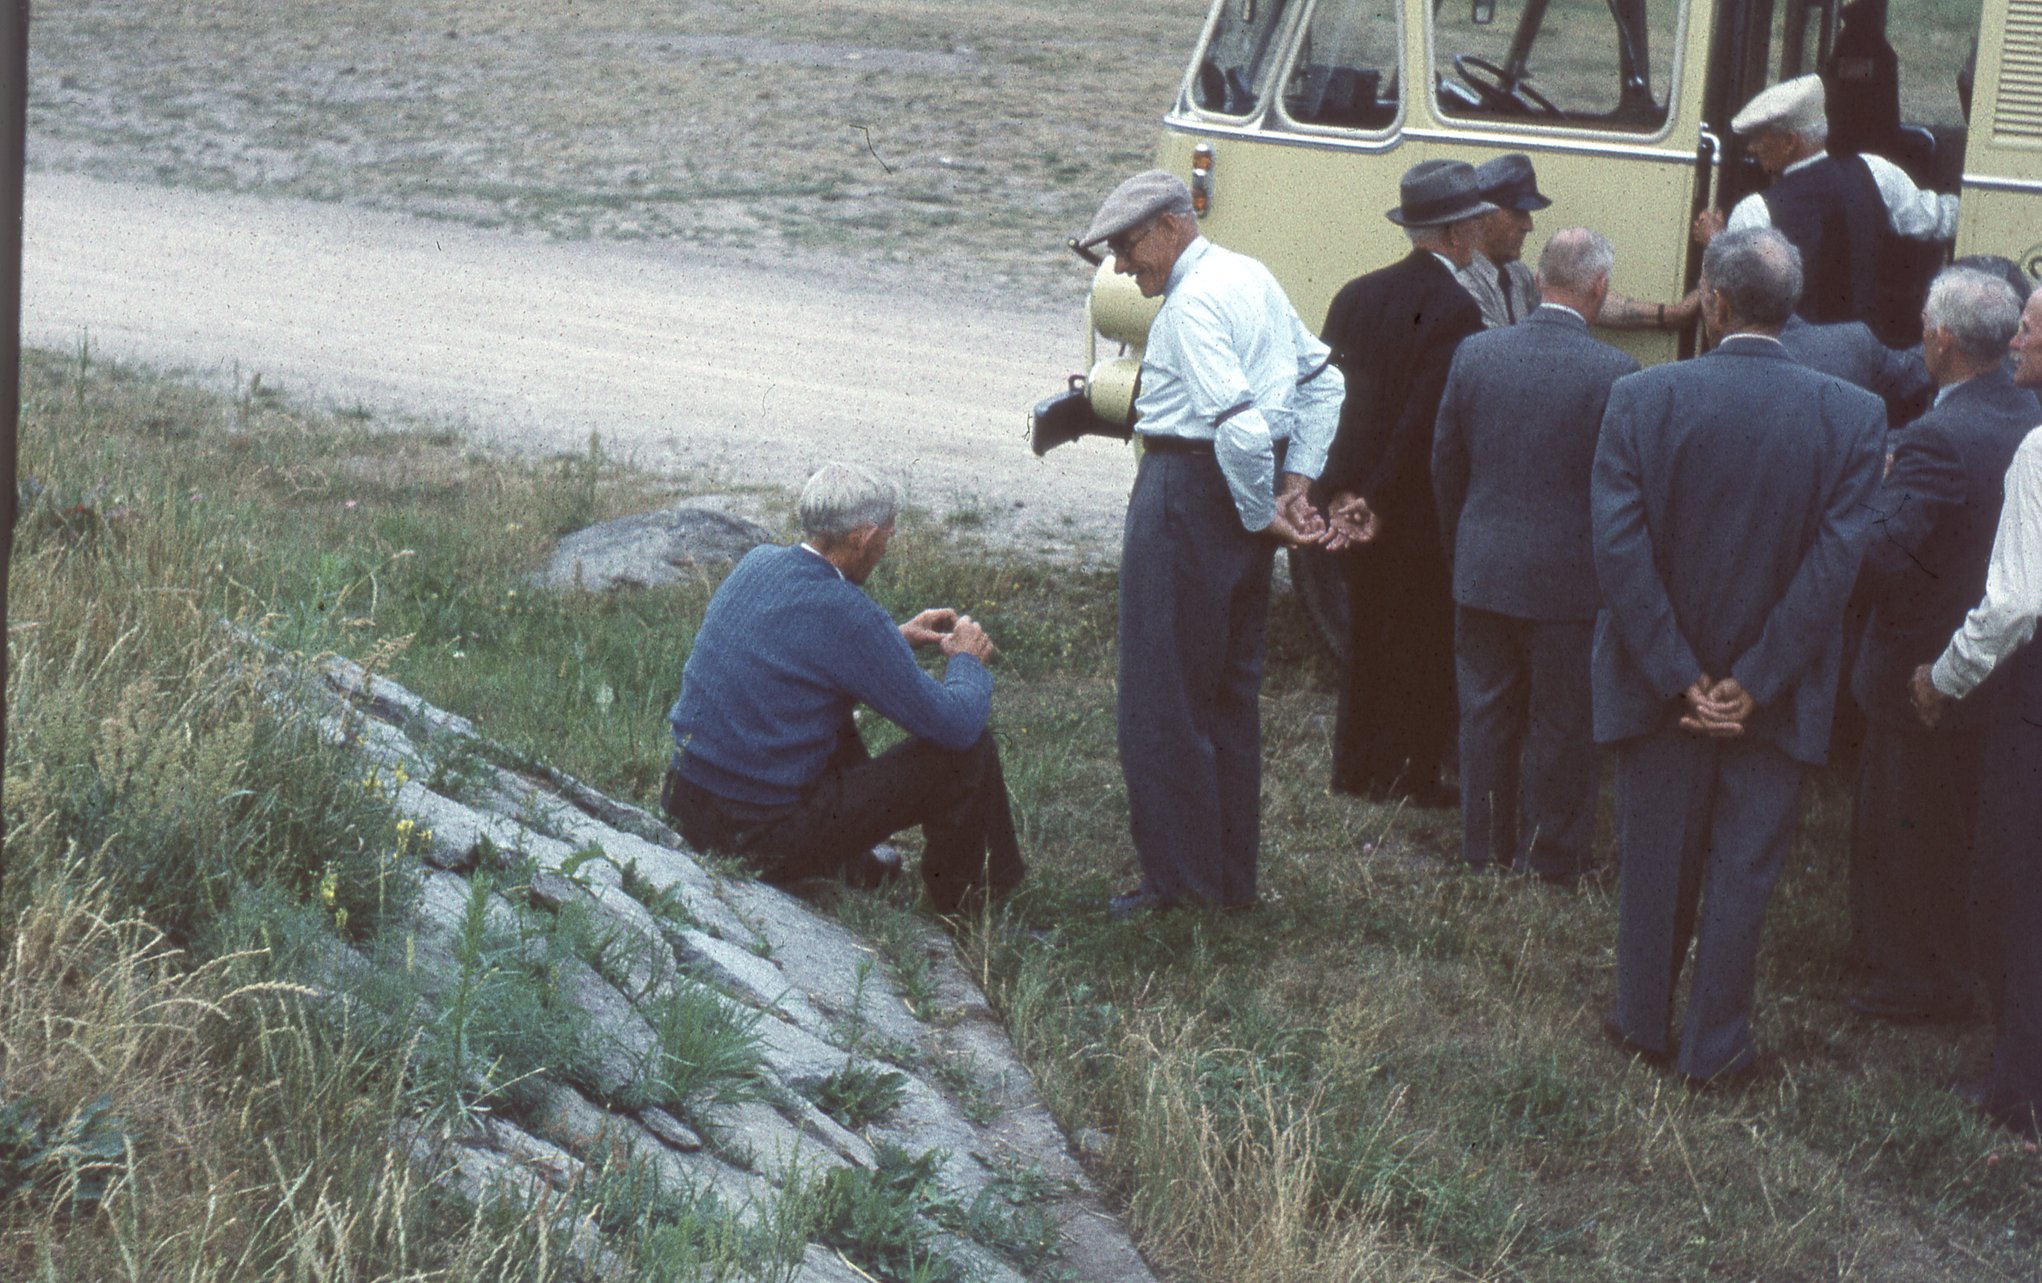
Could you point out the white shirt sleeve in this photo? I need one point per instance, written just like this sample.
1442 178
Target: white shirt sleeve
2004 621
1749 213
1910 211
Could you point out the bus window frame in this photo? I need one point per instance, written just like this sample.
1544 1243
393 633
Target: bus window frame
1186 92
1290 124
1545 127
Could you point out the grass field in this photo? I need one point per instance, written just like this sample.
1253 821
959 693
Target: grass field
1390 1071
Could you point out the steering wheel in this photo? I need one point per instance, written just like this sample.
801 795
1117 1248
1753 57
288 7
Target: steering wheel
1498 92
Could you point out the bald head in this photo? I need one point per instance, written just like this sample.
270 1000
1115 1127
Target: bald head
1574 270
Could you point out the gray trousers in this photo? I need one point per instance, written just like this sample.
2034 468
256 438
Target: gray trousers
1703 826
1911 828
1194 603
1528 755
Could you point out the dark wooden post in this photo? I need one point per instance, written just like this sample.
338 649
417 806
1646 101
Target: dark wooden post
13 164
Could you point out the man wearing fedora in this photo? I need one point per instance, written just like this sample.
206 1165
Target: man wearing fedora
1505 287
1838 211
1393 333
1237 407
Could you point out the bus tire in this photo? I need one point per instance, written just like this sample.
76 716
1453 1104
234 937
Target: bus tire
1315 577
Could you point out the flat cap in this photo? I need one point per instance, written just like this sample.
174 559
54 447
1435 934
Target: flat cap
1792 105
1433 193
1510 182
1136 201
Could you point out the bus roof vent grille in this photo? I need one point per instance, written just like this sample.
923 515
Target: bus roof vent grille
2017 112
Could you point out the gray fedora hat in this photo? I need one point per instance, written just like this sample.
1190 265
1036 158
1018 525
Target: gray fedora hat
1510 181
1435 192
1136 201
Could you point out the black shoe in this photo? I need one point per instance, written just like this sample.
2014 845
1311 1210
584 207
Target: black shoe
877 867
1969 1090
1597 876
1129 905
1730 1079
1875 1005
1614 1034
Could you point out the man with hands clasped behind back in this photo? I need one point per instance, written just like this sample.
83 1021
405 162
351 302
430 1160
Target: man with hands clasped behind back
1238 404
1731 498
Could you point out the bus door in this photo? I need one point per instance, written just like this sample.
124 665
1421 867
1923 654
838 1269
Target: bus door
1896 81
2002 170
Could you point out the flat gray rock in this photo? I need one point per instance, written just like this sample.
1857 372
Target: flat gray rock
816 1003
650 550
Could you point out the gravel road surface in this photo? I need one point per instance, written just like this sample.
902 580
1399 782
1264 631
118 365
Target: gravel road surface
683 359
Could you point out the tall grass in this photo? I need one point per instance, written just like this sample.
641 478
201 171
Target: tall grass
1389 1070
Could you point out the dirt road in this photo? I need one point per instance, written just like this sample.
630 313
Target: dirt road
683 359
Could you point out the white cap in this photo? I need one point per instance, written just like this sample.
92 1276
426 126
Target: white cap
1793 105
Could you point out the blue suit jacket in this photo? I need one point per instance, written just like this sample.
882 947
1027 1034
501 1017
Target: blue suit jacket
1925 565
1511 454
1732 499
1850 351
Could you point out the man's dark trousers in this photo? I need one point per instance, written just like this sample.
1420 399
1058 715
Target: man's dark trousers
1528 755
1194 603
2007 888
958 797
1398 708
1911 833
1691 808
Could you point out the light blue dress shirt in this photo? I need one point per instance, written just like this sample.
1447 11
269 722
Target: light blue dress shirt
1228 361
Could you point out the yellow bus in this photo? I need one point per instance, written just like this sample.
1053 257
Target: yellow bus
1296 118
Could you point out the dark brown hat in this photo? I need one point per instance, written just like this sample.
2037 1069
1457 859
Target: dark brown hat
1510 182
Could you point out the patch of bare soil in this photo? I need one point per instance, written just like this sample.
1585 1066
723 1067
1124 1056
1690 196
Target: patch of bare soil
900 131
681 360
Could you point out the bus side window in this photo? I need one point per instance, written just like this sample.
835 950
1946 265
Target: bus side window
1590 64
1345 72
1238 57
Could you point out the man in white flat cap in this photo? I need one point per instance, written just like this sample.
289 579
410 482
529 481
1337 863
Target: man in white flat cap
1836 210
1238 405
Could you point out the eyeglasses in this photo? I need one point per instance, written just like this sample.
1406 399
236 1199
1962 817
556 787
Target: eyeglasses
1123 245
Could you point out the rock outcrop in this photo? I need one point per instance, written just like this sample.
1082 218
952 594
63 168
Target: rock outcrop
926 1092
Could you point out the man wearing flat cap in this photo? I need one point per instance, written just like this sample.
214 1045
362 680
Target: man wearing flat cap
1237 408
1838 211
1393 333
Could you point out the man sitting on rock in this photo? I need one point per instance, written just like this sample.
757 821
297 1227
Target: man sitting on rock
768 764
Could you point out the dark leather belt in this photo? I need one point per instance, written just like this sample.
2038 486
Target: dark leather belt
1187 445
1175 445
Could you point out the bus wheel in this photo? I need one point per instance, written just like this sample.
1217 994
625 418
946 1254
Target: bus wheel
1315 577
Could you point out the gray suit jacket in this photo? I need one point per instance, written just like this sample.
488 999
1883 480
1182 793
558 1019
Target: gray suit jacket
1732 497
1925 565
1511 453
1850 351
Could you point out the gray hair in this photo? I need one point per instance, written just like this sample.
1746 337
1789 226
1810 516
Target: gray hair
1980 312
1758 271
1574 259
1815 133
2004 269
841 497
